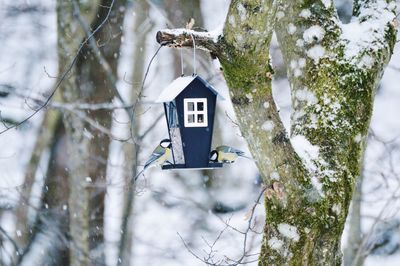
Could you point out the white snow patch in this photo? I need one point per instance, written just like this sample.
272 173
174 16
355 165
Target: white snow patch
88 179
336 208
217 64
242 11
316 53
293 64
302 62
239 38
268 125
313 119
298 114
297 65
280 14
367 31
288 231
317 185
232 21
326 99
297 72
313 33
305 13
358 138
275 244
366 61
327 3
274 176
213 34
305 150
249 96
300 43
306 95
86 133
291 28
336 107
392 6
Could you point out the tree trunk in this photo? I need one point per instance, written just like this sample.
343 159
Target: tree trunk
52 219
77 147
25 222
310 178
131 151
88 82
354 242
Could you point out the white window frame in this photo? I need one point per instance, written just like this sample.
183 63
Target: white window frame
195 112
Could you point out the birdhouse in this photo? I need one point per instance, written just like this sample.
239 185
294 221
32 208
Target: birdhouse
189 105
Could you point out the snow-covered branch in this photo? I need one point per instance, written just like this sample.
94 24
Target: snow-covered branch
367 33
184 38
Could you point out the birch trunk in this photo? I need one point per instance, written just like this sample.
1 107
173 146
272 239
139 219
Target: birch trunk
141 29
333 78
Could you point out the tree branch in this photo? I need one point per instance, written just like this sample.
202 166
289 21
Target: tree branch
177 38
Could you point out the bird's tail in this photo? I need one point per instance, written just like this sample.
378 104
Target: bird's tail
137 176
247 157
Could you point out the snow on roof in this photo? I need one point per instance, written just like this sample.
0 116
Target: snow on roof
173 89
177 86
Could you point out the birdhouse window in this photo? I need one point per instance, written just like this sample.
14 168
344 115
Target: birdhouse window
195 112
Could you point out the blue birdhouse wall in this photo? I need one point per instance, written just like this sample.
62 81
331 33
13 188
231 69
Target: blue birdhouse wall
189 104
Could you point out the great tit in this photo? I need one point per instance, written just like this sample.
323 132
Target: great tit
159 156
226 154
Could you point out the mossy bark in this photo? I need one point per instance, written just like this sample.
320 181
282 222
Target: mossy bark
333 117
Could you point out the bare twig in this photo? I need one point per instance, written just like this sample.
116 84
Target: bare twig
209 259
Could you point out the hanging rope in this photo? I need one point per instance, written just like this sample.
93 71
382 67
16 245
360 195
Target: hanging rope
194 55
182 74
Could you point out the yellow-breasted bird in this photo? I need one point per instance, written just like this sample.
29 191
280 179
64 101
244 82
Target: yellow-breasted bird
226 154
159 156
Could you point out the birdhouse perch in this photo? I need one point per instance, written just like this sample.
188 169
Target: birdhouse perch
189 105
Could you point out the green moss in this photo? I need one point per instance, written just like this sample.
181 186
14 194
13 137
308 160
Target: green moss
242 72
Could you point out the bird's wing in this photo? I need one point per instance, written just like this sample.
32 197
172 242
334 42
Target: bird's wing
157 153
229 149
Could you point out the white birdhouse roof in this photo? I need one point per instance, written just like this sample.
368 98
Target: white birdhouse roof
177 86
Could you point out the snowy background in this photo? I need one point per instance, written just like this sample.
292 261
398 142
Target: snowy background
191 208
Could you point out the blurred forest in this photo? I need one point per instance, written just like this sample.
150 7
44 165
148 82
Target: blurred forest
83 77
